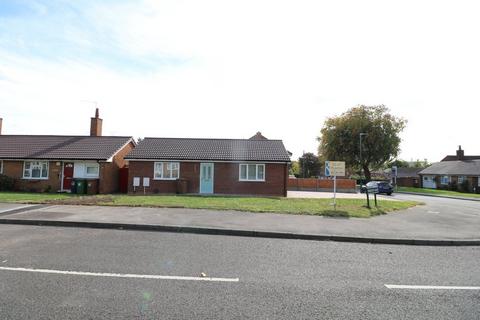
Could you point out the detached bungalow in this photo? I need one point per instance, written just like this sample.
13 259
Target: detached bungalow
49 163
255 166
457 172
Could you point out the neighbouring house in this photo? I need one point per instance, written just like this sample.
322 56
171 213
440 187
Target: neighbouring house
255 166
407 177
54 163
454 172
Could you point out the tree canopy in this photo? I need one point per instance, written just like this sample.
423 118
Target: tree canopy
340 137
309 165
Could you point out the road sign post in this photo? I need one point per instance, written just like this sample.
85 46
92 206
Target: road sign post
334 168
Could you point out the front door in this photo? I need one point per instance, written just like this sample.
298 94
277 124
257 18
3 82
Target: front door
67 175
206 177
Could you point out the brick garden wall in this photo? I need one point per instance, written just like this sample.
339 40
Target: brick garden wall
312 184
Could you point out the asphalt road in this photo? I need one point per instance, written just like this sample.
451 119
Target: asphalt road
277 279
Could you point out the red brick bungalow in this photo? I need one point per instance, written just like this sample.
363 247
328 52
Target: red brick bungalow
255 166
41 163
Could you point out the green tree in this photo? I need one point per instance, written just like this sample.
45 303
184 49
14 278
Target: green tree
340 137
309 165
398 163
294 168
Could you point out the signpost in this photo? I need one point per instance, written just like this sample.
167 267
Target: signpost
394 175
334 168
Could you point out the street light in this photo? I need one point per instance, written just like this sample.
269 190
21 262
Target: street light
362 134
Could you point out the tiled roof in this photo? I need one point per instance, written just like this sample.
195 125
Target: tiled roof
455 158
210 149
460 168
60 147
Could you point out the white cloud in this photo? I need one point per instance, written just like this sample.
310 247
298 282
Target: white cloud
280 67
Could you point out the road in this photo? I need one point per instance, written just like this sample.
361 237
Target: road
267 278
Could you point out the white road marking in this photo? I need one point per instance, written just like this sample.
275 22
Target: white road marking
434 212
15 208
121 275
414 287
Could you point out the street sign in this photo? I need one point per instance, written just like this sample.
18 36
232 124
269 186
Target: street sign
334 168
394 171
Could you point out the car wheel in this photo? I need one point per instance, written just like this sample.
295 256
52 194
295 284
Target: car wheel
389 193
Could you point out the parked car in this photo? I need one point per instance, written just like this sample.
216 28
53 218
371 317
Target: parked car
383 187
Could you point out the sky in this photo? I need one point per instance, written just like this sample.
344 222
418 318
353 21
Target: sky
227 69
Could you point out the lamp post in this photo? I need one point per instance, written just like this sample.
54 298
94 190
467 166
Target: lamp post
362 134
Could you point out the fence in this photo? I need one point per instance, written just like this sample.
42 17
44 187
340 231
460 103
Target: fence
312 184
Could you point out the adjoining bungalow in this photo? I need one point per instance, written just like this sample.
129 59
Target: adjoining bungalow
255 166
50 163
457 172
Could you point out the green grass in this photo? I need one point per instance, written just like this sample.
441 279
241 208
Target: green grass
22 197
345 207
440 192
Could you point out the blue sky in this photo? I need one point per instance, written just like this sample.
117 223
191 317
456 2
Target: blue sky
228 69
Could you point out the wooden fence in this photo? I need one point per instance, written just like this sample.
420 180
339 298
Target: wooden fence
312 184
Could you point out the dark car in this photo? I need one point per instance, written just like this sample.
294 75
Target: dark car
383 187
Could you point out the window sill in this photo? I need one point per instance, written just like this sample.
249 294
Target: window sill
165 179
251 180
34 179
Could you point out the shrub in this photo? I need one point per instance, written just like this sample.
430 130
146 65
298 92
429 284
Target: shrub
464 186
6 183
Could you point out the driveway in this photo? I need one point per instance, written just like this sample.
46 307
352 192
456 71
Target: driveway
329 195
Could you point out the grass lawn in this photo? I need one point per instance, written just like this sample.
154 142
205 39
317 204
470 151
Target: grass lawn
345 207
440 192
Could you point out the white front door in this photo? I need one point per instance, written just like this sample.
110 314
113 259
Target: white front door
429 182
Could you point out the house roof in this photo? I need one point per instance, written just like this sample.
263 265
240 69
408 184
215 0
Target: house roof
462 168
60 147
210 149
455 158
408 172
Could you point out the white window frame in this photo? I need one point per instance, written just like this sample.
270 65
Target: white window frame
442 181
38 163
158 174
1 166
478 181
257 165
81 167
463 179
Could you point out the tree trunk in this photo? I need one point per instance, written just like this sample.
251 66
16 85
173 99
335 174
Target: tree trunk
367 173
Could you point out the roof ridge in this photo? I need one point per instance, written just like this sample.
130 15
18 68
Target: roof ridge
61 136
220 139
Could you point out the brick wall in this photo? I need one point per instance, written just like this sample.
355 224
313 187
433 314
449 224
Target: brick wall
311 184
225 179
109 171
14 169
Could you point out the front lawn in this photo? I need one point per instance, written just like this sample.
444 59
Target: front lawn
345 207
439 192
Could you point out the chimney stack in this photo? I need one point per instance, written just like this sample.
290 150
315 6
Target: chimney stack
1 120
96 125
460 153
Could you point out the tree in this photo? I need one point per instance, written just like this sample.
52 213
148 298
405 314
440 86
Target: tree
340 137
294 169
398 163
309 165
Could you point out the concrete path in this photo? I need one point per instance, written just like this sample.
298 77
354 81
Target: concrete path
438 219
329 195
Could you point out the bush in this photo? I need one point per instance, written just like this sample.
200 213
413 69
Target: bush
6 183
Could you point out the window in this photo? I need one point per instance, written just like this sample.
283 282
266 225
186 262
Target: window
445 180
166 170
86 170
252 172
478 181
1 166
461 179
35 170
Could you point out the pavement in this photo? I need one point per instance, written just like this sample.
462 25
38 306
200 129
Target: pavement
439 222
82 273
